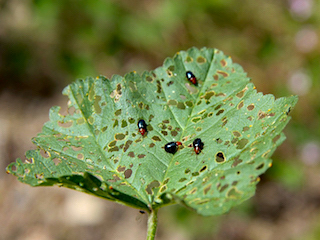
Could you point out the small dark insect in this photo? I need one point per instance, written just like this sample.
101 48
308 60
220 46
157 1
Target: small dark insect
191 78
142 212
172 147
142 127
197 145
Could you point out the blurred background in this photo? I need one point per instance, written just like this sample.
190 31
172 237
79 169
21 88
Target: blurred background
45 45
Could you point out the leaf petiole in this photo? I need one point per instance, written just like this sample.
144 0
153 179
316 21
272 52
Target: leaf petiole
152 224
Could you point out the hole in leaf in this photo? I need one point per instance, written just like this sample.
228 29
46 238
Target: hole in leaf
201 60
240 105
265 155
156 138
163 188
260 166
65 124
233 193
183 97
96 105
74 148
127 173
245 129
220 112
171 68
224 187
149 79
190 88
80 121
196 119
194 190
44 154
112 143
174 133
189 103
170 83
150 186
39 176
189 59
236 134
204 201
236 162
115 124
165 133
181 105
91 120
119 136
220 95
131 120
159 88
127 145
241 93
222 73
235 140
224 121
166 181
203 168
208 95
151 145
181 189
124 123
261 115
71 110
276 138
172 102
56 161
207 188
113 149
250 107
121 168
242 143
223 63
220 158
118 112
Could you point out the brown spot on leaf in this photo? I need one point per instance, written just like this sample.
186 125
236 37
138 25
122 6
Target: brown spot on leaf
224 74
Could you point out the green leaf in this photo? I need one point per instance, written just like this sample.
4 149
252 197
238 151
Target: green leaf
97 148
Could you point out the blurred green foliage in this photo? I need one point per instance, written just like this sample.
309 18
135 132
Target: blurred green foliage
44 45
